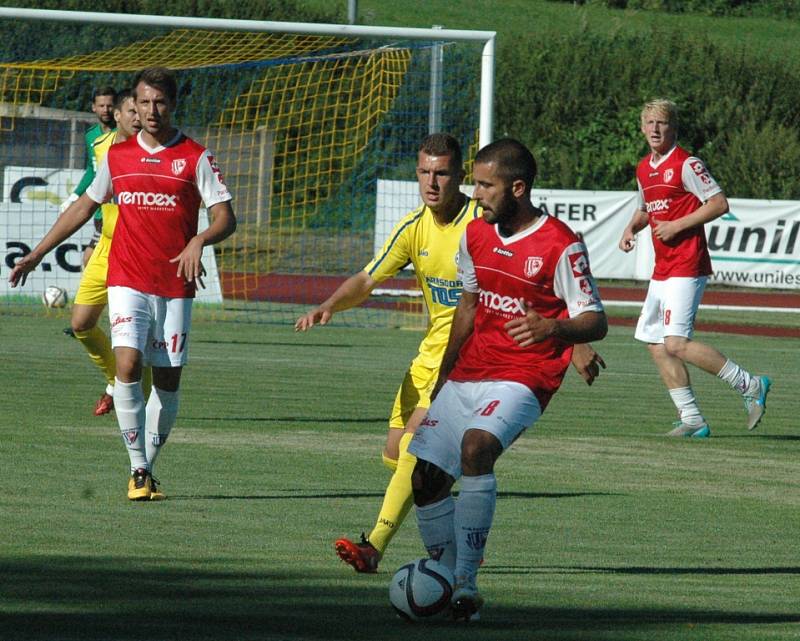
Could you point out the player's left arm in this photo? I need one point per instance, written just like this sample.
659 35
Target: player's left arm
699 181
223 224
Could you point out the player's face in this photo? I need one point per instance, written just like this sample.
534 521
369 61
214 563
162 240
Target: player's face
494 194
439 181
154 109
658 131
127 118
103 108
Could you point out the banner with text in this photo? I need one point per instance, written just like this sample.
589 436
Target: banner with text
31 196
756 244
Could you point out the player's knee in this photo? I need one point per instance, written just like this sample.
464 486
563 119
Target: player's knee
429 483
80 325
479 451
675 346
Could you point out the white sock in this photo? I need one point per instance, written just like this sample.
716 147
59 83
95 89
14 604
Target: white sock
739 379
473 520
684 400
435 524
162 409
129 407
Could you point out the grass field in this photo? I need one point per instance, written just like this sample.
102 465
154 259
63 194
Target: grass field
604 528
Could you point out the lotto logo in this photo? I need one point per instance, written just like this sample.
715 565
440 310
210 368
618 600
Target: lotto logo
147 198
662 204
505 304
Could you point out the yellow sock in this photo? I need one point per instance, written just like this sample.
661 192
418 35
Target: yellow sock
98 346
391 463
397 500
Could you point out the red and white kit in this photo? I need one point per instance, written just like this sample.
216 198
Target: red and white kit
670 189
158 191
544 267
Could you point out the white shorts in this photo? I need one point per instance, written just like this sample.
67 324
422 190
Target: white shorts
502 408
157 326
670 308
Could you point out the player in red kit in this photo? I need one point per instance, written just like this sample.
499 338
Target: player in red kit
528 296
677 196
158 179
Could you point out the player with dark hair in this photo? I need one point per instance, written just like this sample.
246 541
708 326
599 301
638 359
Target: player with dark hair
159 179
528 297
677 196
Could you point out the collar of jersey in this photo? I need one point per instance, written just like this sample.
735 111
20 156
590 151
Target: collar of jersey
663 158
154 150
525 232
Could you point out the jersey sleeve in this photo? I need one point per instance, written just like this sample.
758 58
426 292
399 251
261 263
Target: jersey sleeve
698 180
394 255
100 188
209 181
573 281
466 267
640 196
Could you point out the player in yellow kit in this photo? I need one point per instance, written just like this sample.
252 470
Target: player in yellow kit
92 293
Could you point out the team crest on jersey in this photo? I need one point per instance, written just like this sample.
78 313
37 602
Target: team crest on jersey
178 166
668 175
532 265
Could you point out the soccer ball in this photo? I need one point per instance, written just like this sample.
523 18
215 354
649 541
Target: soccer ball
421 589
54 297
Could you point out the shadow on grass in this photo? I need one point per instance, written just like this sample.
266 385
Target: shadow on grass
282 419
291 344
49 598
636 570
293 495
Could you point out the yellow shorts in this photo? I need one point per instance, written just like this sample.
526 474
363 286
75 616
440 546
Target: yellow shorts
92 289
414 392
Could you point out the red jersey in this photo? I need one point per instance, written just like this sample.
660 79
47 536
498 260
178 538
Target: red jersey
159 192
672 188
544 267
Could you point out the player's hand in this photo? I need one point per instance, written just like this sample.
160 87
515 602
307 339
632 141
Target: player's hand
531 328
24 266
666 230
190 267
587 362
317 316
628 241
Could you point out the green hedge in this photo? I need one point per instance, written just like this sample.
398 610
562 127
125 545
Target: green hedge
752 8
576 102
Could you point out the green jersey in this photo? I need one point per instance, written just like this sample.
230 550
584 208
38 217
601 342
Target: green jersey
92 134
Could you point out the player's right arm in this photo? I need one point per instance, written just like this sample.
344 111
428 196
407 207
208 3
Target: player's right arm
350 293
66 224
460 331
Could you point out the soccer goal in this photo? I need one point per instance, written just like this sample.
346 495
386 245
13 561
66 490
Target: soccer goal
315 128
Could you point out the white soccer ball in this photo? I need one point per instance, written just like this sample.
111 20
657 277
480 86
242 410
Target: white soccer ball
421 589
54 296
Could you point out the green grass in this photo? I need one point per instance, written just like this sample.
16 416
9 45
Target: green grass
514 18
604 529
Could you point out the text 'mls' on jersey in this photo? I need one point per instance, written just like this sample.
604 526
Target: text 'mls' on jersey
544 267
433 251
670 189
158 192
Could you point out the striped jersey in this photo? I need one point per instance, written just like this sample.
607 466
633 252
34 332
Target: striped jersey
433 251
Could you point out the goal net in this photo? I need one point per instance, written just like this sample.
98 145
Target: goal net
316 136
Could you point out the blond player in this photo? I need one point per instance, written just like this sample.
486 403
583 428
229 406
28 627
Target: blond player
677 196
92 295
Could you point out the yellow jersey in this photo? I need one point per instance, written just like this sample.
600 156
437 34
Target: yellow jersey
433 251
110 211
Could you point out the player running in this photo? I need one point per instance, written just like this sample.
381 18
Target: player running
92 293
159 179
528 297
677 196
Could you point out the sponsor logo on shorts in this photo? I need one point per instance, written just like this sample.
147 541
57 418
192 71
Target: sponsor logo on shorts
429 422
157 344
504 304
119 320
147 199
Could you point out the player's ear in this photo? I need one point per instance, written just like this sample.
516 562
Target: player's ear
518 188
